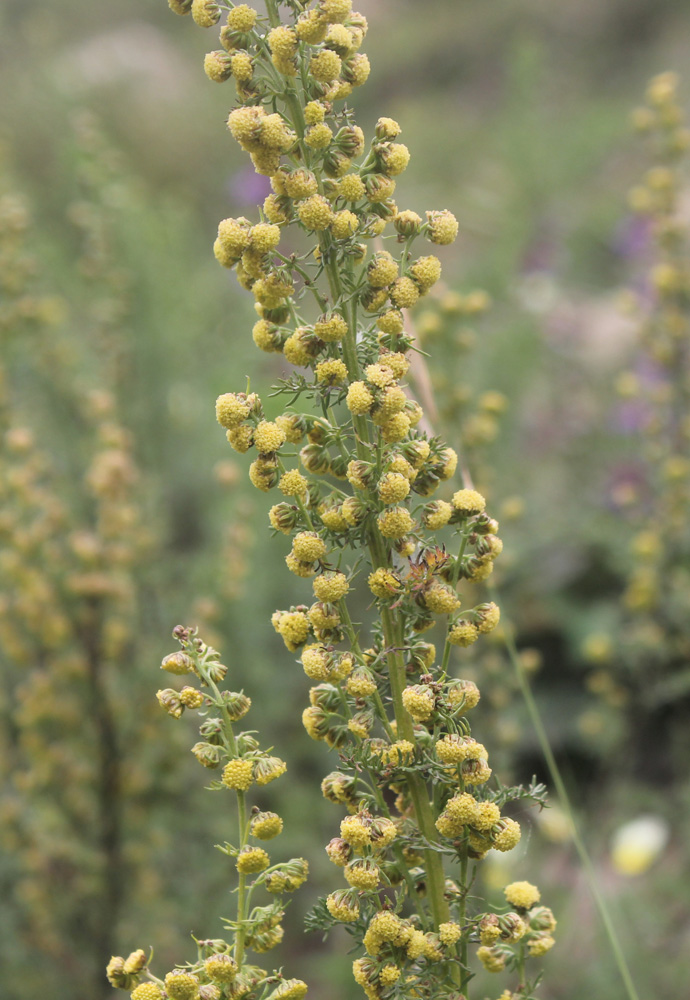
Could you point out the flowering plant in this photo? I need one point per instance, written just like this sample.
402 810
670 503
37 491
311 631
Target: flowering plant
356 470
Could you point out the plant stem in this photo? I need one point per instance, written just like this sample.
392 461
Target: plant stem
242 886
462 917
418 788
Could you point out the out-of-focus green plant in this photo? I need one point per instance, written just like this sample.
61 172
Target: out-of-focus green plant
641 659
448 320
74 551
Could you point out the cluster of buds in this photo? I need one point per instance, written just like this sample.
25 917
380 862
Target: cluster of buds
221 971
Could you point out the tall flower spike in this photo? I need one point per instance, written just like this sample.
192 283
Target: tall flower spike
356 484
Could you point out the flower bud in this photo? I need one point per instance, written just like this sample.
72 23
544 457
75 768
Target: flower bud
268 769
178 663
208 754
169 700
315 459
216 671
212 731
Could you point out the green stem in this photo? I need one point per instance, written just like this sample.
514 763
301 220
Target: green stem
418 788
557 779
462 917
242 887
521 968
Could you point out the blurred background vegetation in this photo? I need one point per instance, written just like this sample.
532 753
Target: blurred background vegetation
123 512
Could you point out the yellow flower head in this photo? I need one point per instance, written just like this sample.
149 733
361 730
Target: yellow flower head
449 933
362 874
379 375
492 959
404 293
206 13
351 187
293 484
393 488
238 774
442 227
384 583
218 66
355 832
487 617
290 989
317 662
314 112
359 399
467 503
440 598
181 985
293 626
308 546
330 587
488 814
344 225
395 522
266 825
282 41
389 974
463 633
522 895
147 991
242 18
420 702
360 683
387 128
251 860
268 437
336 11
311 27
395 158
390 322
539 944
382 270
264 237
425 272
325 67
315 213
221 968
508 835
318 136
463 695
242 67
267 769
343 906
330 328
266 337
232 410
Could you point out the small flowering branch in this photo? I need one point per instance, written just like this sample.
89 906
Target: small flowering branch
221 969
413 779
